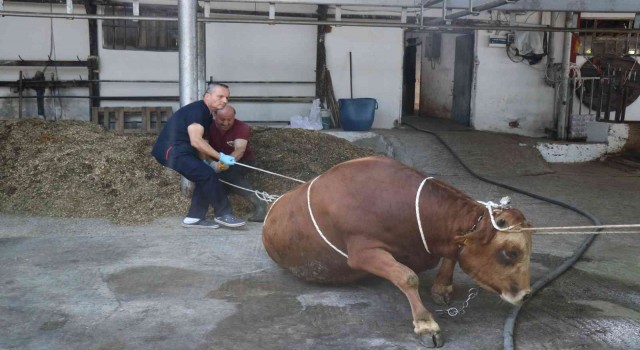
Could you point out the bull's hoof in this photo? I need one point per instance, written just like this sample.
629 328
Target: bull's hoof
441 294
434 340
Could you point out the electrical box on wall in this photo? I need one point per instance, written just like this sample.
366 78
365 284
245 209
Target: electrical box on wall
500 40
432 45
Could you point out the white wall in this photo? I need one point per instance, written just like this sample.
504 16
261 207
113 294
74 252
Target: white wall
376 64
31 39
235 52
504 92
260 52
508 92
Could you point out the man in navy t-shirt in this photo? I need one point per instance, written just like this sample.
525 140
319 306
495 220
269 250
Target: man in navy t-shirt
231 136
182 146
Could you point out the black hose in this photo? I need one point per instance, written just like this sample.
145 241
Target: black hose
510 322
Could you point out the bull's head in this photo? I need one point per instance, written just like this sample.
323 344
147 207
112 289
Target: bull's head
498 260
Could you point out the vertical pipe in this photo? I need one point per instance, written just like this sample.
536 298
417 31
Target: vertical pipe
550 71
187 11
321 55
202 58
593 91
350 75
564 82
93 68
187 46
20 95
581 95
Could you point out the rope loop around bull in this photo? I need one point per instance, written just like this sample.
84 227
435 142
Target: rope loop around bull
315 224
424 240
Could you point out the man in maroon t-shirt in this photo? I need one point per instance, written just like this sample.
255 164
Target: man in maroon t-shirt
231 136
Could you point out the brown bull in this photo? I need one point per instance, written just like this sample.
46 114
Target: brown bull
360 218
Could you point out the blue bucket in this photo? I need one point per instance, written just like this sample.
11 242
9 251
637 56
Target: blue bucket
356 114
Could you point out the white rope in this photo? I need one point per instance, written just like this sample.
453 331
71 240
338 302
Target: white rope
582 232
264 196
268 172
577 227
424 241
490 205
566 230
316 224
271 207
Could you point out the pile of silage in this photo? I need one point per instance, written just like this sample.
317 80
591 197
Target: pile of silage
78 169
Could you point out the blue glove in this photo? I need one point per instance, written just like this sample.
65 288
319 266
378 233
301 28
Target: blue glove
227 160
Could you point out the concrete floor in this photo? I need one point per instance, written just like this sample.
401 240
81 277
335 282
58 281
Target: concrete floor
89 284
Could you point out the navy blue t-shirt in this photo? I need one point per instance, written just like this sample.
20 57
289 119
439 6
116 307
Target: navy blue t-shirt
174 137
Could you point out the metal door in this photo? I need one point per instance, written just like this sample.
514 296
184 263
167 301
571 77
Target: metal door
463 80
409 80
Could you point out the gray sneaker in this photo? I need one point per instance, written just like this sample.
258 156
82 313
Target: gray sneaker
230 220
201 224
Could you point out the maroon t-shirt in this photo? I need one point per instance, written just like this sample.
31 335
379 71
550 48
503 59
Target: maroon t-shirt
224 143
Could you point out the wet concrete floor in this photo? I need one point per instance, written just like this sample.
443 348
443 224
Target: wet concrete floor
89 284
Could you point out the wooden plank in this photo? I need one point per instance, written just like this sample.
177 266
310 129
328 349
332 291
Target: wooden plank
36 63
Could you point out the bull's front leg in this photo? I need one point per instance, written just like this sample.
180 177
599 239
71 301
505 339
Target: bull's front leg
442 288
381 263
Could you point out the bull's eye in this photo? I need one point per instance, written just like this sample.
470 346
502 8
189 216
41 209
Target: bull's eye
501 223
508 256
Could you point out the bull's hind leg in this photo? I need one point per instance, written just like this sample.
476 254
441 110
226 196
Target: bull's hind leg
379 262
443 284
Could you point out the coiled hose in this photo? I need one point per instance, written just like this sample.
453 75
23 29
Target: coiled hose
510 322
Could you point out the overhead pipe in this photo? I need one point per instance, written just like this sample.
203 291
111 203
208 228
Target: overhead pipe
425 4
428 3
258 99
380 24
487 6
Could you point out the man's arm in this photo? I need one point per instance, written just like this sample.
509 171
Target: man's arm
239 147
196 133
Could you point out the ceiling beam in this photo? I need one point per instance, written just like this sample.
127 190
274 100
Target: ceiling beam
522 5
623 6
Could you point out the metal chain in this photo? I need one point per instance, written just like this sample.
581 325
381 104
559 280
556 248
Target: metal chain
454 311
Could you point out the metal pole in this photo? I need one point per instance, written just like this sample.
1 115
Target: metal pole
350 75
20 95
187 12
551 52
202 58
564 82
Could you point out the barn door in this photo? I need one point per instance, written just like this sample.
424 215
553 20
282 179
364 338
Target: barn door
463 80
409 78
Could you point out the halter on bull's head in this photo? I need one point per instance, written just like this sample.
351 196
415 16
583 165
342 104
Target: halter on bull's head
495 256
